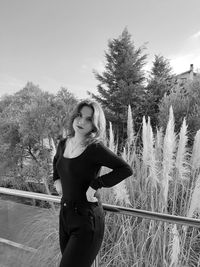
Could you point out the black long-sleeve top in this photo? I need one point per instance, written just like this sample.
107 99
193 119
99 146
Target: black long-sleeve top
80 172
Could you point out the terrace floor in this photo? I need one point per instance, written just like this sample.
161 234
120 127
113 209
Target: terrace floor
13 217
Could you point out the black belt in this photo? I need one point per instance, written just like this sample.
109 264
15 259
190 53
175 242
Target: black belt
77 204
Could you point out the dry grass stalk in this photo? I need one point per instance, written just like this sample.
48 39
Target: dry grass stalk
120 190
195 159
121 194
144 141
159 138
111 143
181 163
168 156
151 155
130 127
174 247
195 199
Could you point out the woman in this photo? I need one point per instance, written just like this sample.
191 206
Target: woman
77 164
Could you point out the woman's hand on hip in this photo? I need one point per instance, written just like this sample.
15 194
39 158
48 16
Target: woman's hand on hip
58 186
91 195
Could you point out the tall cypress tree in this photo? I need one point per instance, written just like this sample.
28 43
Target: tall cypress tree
160 82
121 84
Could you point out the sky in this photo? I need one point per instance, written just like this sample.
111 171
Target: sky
59 43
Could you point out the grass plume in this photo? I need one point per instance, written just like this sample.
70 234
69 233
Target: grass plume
169 147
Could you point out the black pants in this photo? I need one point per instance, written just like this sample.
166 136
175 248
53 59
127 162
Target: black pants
81 230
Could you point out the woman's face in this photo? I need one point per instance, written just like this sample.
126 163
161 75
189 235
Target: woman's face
82 124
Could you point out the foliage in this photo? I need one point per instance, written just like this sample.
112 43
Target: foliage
121 84
164 181
185 103
62 104
160 83
31 121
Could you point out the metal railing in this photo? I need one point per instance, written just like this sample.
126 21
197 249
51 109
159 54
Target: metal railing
111 208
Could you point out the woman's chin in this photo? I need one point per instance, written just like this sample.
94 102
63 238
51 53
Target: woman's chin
80 132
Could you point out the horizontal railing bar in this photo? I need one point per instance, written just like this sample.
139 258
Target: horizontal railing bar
17 245
28 194
153 215
112 208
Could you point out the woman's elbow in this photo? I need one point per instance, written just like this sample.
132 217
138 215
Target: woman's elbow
129 171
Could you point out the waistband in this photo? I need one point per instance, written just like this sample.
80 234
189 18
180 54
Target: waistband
79 203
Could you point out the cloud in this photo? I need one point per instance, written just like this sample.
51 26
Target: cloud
53 86
92 64
99 66
49 84
84 67
182 63
196 35
188 54
81 91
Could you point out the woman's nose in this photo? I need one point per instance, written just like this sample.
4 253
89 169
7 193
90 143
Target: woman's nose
81 121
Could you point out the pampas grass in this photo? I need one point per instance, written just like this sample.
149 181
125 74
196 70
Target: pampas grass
195 200
111 143
169 147
144 142
174 247
130 128
181 163
151 157
119 191
195 159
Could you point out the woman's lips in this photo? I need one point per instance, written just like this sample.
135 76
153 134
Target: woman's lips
79 127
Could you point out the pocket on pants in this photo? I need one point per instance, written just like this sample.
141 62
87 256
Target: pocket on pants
86 215
99 223
99 215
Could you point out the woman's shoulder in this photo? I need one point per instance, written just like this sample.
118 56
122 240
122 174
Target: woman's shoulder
96 143
98 146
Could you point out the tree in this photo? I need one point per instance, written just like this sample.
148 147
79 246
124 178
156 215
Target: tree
185 103
121 84
160 83
26 119
62 105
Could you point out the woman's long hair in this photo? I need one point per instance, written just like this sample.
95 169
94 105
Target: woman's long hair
98 132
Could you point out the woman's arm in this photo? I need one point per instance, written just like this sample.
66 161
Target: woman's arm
56 178
120 169
55 172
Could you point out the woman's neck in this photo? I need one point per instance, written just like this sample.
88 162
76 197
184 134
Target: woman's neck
78 137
